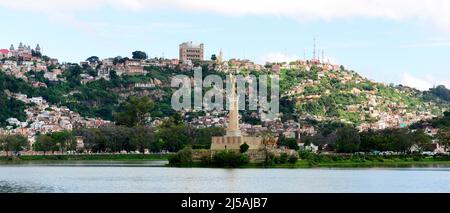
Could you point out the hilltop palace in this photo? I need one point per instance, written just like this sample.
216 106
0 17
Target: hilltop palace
234 138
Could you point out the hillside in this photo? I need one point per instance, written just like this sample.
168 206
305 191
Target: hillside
312 92
344 96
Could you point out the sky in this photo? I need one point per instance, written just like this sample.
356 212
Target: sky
397 41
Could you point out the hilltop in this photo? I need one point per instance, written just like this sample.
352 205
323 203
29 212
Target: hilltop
322 94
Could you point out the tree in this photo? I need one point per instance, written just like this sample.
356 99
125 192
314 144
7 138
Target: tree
213 57
94 140
244 148
118 60
65 140
202 136
13 143
93 59
290 143
348 140
45 58
268 139
45 143
135 111
422 140
142 138
139 55
174 137
444 136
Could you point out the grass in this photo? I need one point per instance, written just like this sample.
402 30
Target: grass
121 157
369 162
311 161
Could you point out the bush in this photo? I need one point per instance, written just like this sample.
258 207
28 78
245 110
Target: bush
283 158
270 160
229 159
205 160
244 148
304 154
182 158
293 159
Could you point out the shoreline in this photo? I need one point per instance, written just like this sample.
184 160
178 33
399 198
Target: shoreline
86 157
140 159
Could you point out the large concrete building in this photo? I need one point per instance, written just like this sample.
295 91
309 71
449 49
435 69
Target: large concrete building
190 51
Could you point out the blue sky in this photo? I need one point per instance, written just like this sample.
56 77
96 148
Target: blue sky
405 42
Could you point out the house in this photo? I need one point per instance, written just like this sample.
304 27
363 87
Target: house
134 66
4 53
276 68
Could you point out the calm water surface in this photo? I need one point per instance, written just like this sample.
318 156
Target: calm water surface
147 177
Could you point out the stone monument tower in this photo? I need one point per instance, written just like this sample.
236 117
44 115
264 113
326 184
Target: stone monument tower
233 115
234 138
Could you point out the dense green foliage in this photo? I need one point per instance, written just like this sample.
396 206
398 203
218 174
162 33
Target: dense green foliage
439 92
139 55
320 160
348 140
229 159
57 141
134 112
182 158
290 143
244 148
13 143
10 107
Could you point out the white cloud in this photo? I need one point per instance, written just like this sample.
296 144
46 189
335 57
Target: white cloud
423 83
279 57
435 12
427 44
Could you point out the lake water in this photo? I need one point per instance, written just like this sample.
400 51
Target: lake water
148 177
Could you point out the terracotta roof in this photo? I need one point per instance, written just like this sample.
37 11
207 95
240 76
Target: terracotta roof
4 51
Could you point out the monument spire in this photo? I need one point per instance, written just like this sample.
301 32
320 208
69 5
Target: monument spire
233 115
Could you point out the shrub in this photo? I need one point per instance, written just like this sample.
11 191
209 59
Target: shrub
205 160
182 158
244 148
283 158
270 160
293 159
304 154
229 159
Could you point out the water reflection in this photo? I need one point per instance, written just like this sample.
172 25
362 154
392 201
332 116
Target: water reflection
126 177
13 187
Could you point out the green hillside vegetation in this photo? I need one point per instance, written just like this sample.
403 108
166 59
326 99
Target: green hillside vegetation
340 95
344 95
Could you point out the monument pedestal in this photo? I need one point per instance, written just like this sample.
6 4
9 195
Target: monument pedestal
235 142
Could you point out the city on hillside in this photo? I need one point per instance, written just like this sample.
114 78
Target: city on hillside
43 96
